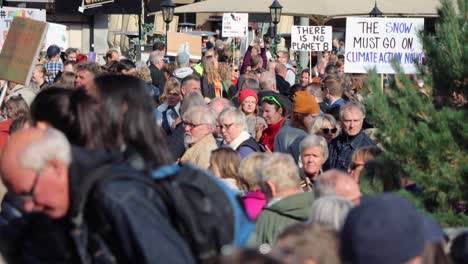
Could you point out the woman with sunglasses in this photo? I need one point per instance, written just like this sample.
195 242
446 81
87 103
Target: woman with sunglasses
274 115
325 126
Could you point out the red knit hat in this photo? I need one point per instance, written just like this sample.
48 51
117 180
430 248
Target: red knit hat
246 93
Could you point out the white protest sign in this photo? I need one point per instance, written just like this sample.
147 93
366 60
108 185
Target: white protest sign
374 42
8 13
56 34
311 38
235 25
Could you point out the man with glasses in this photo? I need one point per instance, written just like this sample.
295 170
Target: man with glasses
199 123
352 137
113 218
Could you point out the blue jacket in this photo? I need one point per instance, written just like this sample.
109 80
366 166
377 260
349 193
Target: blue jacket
341 149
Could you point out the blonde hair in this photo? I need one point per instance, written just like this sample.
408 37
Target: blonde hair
320 121
172 84
144 73
225 71
281 170
210 71
248 171
365 154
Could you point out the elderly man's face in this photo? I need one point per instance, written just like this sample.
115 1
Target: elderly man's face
229 129
45 191
195 131
352 121
191 86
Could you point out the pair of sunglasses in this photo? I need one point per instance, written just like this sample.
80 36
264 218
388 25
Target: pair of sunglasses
354 165
328 130
273 99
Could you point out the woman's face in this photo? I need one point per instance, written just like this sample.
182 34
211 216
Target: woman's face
248 105
235 71
270 114
173 98
305 79
312 160
328 131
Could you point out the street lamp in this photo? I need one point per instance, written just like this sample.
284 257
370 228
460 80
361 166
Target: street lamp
375 12
275 13
168 14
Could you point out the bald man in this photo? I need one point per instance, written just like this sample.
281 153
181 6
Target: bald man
336 182
37 166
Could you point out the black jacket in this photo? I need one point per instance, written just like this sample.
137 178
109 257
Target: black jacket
126 213
157 77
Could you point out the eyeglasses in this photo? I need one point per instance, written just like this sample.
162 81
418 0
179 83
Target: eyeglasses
273 99
354 165
328 130
191 125
226 126
30 195
249 102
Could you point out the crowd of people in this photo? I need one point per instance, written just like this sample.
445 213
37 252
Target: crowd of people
295 148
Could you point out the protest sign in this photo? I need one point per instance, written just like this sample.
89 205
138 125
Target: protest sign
8 13
21 49
235 25
311 38
175 40
374 42
56 34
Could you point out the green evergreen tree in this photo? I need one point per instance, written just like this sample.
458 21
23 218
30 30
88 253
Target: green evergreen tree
423 142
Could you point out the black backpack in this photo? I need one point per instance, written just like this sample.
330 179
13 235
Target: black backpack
206 213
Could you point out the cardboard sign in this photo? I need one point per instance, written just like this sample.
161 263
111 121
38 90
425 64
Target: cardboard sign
235 25
175 40
95 3
311 38
56 34
21 49
374 42
8 13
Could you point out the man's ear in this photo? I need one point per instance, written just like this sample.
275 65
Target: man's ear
59 167
271 189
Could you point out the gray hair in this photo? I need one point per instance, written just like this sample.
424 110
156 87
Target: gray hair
326 183
238 117
191 99
219 104
315 141
156 57
330 210
267 81
352 105
202 115
319 121
280 169
52 146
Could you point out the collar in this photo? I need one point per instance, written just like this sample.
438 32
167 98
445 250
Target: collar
277 125
243 136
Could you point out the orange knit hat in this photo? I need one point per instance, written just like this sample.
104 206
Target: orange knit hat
305 103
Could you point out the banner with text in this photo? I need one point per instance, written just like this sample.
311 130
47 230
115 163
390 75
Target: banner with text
21 49
311 38
95 3
235 25
8 13
374 42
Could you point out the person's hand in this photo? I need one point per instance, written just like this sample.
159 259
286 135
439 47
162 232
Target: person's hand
207 100
176 122
259 131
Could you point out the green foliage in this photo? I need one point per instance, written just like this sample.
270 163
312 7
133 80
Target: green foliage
447 49
427 144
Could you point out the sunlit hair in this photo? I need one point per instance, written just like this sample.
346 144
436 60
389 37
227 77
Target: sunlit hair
330 210
227 162
210 71
248 171
320 121
172 84
225 72
281 170
315 141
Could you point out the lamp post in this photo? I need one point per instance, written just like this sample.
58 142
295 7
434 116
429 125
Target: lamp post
275 13
375 12
168 14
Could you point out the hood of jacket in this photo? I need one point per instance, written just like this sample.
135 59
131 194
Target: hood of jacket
182 72
295 206
84 163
